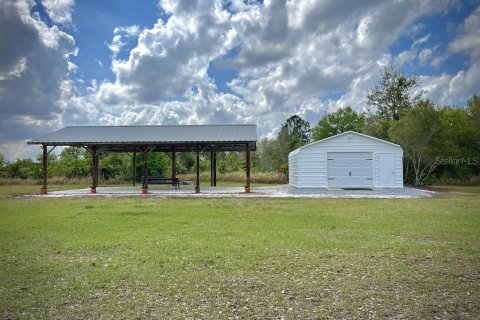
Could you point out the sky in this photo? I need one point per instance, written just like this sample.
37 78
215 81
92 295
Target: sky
147 62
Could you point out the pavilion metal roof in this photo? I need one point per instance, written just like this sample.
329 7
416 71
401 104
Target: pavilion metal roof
163 136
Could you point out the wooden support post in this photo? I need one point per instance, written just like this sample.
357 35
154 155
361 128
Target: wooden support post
174 164
145 171
134 168
211 169
197 182
94 186
43 189
247 160
214 168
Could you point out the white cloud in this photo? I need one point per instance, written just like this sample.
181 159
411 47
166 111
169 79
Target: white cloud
132 31
292 57
121 36
34 66
33 87
469 39
319 56
407 56
449 89
422 40
171 57
59 11
16 70
416 54
425 55
438 60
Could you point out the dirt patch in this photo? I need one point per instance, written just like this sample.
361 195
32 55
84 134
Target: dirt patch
439 192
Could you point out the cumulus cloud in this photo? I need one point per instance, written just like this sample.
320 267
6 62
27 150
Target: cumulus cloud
417 53
425 55
16 70
59 11
289 57
324 51
448 89
121 36
33 64
34 67
171 57
469 38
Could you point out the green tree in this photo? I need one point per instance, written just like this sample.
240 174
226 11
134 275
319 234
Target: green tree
473 111
158 164
296 129
377 126
186 162
458 140
3 172
342 120
73 162
419 133
294 133
114 165
230 161
53 166
390 100
24 169
394 96
265 154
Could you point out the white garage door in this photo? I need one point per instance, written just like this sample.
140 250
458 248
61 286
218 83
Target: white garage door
350 169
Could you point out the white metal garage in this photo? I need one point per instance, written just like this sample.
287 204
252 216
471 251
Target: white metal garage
347 160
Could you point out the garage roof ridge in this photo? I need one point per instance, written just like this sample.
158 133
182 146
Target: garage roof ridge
352 132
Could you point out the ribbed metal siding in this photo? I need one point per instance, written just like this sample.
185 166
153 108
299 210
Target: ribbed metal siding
293 169
312 169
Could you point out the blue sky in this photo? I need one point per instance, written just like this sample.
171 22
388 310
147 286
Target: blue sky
67 62
92 38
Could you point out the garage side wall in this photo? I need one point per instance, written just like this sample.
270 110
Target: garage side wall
293 169
312 168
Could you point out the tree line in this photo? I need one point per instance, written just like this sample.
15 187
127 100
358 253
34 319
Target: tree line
75 162
438 141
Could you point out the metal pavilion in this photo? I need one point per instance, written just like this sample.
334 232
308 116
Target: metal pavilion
146 139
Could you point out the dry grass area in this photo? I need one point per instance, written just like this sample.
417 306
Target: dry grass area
239 177
51 181
233 177
468 181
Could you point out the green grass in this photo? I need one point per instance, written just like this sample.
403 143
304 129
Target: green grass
239 258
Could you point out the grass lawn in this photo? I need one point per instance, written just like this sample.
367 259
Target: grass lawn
137 258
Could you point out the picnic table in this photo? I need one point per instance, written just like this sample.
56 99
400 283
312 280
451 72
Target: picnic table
163 180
